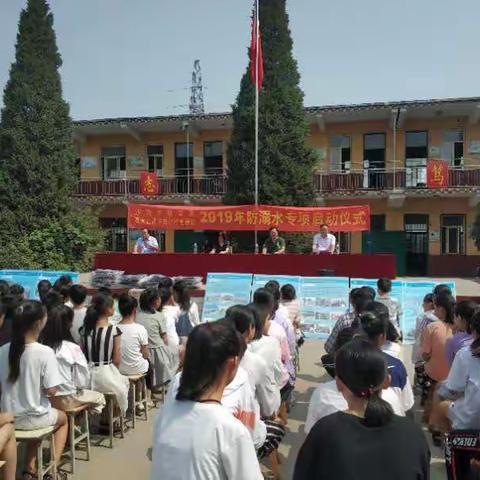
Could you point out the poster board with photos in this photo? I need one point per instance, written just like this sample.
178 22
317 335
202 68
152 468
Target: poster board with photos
224 290
323 301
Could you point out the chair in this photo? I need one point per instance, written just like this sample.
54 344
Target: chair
39 435
141 381
81 437
461 446
111 403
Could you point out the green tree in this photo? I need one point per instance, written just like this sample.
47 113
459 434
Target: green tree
285 162
37 156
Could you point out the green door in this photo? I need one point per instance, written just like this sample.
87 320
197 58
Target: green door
387 242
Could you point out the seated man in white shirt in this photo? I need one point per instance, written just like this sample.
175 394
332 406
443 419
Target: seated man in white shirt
324 242
146 243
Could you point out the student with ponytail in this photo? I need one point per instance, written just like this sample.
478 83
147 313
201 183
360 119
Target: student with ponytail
29 376
342 445
195 435
102 348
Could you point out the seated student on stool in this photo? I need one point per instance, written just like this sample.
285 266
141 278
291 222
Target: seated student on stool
78 295
29 376
72 364
102 347
135 352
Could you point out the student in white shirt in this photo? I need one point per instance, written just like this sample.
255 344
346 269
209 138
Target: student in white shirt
324 242
72 365
195 436
327 399
171 313
28 377
134 339
78 295
242 318
459 396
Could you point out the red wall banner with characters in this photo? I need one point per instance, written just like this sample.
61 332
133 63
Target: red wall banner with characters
249 217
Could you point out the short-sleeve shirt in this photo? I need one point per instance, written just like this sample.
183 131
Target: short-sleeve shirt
99 345
274 246
464 377
324 244
134 337
38 372
146 247
434 339
156 326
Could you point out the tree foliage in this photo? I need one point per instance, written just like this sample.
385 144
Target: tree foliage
285 162
37 156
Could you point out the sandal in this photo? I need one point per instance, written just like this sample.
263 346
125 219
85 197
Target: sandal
26 475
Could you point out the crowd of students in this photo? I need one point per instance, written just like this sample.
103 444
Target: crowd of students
231 383
60 353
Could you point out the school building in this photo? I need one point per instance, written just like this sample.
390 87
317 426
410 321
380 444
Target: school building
372 154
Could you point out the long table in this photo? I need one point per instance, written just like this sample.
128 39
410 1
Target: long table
174 264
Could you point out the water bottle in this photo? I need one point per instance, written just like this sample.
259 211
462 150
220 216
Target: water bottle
256 249
195 248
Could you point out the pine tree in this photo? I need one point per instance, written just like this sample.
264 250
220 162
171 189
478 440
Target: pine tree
37 155
285 162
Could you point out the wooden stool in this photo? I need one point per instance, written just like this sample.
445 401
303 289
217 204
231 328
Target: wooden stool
81 437
111 402
39 436
143 401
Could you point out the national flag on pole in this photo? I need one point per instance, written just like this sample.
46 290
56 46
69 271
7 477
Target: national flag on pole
256 53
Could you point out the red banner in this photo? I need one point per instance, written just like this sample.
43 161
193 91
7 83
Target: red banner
148 183
249 217
437 174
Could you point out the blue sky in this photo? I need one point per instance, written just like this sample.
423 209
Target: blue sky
127 58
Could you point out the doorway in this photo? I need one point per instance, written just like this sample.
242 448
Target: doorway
416 230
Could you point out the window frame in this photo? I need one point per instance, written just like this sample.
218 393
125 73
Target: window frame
445 238
155 157
213 171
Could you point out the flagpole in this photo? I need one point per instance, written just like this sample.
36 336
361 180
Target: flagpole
257 33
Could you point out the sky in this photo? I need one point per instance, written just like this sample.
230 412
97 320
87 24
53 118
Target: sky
135 57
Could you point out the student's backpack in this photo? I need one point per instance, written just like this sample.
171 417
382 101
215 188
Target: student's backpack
183 325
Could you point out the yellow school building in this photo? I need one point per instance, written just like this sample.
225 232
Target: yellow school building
373 154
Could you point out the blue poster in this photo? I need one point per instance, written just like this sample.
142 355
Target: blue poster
259 281
29 279
413 294
323 301
224 290
410 295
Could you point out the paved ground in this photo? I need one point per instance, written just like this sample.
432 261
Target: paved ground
129 458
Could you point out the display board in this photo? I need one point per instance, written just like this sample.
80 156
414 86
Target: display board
224 290
323 301
410 294
29 279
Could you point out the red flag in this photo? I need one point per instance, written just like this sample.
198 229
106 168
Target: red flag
437 174
256 53
148 184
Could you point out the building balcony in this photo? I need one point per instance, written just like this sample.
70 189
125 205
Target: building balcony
412 181
211 186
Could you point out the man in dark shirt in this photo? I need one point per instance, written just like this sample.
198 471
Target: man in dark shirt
274 244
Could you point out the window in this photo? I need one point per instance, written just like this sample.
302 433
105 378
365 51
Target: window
213 158
377 223
183 159
155 159
340 153
374 160
452 147
114 163
416 155
116 234
453 234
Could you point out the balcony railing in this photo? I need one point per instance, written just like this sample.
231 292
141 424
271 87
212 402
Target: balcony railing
387 179
181 185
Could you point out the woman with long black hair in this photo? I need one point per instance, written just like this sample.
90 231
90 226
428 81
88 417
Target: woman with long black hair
195 436
367 441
